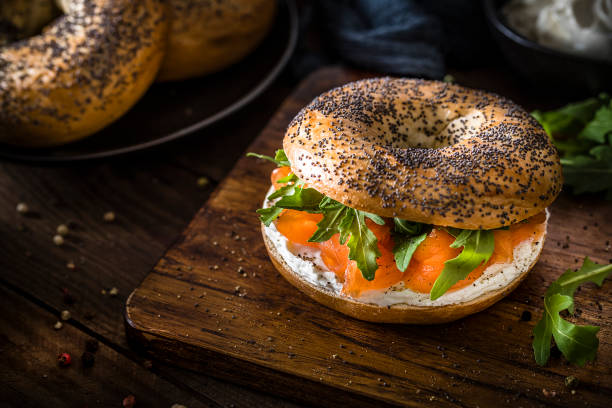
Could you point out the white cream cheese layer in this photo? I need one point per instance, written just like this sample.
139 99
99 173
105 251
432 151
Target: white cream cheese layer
306 261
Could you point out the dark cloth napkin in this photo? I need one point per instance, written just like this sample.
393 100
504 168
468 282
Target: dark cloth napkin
404 37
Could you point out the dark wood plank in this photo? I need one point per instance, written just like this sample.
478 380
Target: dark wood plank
30 375
195 309
153 195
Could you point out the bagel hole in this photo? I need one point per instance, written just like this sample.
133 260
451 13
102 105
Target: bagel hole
444 133
22 19
461 128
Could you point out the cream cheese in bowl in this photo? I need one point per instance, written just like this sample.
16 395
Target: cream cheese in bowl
581 27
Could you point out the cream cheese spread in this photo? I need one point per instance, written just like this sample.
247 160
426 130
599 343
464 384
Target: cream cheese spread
306 261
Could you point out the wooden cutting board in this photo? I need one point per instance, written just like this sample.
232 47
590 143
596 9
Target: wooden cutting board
214 302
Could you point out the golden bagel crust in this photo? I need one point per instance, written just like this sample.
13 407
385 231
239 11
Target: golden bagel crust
425 151
400 313
82 73
207 36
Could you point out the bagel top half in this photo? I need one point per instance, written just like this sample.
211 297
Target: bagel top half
82 72
425 151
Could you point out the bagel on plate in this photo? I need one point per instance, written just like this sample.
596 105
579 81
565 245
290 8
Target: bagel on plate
207 36
409 201
82 73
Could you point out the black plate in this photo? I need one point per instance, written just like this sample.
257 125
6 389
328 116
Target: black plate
169 111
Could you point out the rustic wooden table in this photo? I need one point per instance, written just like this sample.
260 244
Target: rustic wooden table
153 196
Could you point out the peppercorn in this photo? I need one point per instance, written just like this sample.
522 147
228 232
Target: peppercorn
62 230
22 208
58 240
129 401
64 359
65 315
109 216
203 182
91 345
571 382
88 359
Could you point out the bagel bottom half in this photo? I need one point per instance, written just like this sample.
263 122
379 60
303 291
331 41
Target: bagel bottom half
404 313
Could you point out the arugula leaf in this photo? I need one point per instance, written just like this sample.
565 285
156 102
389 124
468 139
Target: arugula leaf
337 218
478 247
329 225
582 132
405 227
461 238
328 204
267 215
568 120
404 249
292 196
570 280
577 343
345 226
598 128
351 225
280 158
363 244
302 199
289 178
407 236
589 173
376 218
289 189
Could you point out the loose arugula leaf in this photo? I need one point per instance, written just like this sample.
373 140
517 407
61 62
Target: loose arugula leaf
363 245
478 247
280 158
407 236
570 280
577 343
